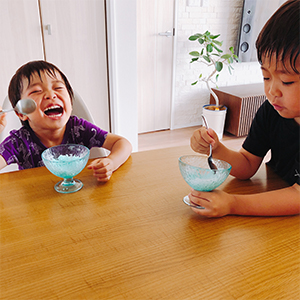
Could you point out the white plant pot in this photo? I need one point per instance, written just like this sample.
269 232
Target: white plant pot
215 119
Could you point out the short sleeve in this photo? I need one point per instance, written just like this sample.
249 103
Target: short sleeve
258 139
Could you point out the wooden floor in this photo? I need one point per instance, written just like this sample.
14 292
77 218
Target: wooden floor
179 137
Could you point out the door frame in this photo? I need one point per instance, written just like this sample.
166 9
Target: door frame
172 125
122 68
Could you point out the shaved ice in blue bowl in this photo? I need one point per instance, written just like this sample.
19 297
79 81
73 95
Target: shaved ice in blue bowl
66 161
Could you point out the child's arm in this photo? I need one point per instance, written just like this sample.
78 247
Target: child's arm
244 164
2 126
2 162
120 149
217 203
3 121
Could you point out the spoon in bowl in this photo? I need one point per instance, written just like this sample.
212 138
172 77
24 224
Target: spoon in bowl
23 106
210 160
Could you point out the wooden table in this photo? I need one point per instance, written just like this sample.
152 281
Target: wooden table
134 238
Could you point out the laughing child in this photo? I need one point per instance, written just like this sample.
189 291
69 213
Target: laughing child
51 123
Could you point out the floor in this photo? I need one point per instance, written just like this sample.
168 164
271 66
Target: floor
179 137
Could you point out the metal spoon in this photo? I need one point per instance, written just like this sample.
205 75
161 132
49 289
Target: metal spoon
23 106
210 160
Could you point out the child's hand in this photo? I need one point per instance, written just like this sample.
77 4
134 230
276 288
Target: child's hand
102 168
216 203
202 138
3 121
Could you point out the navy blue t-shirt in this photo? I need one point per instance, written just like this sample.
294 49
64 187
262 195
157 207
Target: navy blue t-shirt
270 131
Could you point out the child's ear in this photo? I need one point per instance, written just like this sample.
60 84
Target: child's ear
21 116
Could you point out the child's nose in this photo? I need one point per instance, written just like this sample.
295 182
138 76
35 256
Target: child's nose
274 89
50 94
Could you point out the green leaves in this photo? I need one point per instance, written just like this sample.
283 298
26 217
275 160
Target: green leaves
206 57
210 52
226 56
219 66
194 53
213 37
194 37
201 41
219 50
209 48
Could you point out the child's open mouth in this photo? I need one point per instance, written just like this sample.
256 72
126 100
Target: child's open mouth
53 111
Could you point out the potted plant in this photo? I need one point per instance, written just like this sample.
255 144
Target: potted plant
211 55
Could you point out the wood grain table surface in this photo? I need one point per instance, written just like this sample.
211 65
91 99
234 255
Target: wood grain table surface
134 238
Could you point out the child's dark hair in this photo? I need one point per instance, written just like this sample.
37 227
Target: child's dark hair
27 71
281 34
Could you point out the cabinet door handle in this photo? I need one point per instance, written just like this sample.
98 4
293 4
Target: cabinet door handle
48 28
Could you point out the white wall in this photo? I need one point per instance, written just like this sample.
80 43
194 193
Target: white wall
217 16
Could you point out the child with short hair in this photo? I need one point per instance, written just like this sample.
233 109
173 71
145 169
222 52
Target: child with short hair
51 123
276 127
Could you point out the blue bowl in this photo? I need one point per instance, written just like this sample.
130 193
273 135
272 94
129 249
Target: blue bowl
197 174
66 160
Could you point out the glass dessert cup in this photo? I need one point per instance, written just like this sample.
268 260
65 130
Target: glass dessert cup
66 161
198 175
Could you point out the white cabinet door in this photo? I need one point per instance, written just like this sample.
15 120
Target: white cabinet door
20 35
75 41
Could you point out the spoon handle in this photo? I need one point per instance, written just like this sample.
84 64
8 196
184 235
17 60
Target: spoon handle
5 111
206 126
205 121
210 161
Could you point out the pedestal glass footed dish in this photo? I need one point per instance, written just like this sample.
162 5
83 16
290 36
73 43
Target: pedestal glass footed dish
66 161
198 175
